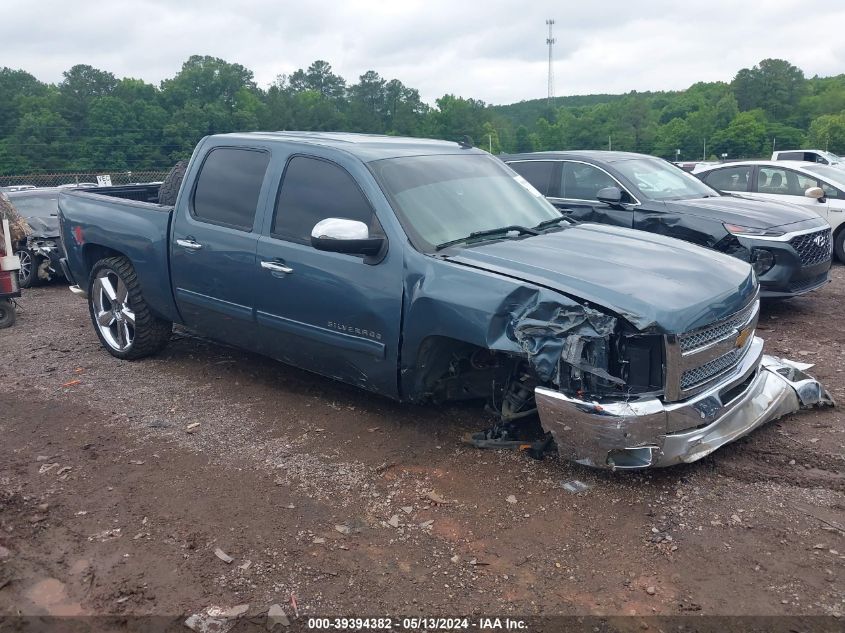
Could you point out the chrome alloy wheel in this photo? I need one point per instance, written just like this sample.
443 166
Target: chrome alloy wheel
27 265
115 319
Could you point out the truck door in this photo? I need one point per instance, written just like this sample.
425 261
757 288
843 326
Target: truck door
575 195
214 238
335 314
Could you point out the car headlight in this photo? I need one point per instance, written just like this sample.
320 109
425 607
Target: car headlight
749 231
762 261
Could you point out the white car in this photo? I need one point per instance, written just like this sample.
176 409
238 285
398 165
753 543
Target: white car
818 187
810 155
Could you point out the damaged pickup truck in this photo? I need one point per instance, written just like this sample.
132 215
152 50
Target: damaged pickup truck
429 271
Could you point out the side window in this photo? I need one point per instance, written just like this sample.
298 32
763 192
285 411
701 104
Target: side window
312 190
228 187
730 178
784 181
580 181
791 156
779 181
832 192
537 172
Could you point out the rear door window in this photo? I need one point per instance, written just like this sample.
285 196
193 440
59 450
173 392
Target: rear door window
228 187
314 189
537 172
730 178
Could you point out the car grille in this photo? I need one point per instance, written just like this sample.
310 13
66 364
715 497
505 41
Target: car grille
813 248
694 377
711 333
696 359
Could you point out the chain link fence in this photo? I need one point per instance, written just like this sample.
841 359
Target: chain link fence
89 178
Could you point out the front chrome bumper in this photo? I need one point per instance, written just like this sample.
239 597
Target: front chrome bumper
634 434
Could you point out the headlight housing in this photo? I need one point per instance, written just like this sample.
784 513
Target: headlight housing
750 231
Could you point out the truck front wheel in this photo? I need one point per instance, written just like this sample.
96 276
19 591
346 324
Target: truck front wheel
121 317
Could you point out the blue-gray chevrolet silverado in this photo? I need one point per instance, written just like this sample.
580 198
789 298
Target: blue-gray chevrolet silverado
426 270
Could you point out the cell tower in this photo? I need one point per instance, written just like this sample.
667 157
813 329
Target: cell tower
550 40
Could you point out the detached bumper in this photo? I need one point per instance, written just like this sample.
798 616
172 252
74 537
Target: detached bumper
620 435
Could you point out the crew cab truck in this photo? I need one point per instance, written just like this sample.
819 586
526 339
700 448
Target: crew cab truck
429 271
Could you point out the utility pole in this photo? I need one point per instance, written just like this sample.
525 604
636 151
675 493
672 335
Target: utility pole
609 142
704 155
550 41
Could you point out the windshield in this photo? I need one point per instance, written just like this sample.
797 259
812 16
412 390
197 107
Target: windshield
836 174
659 180
32 206
830 156
447 197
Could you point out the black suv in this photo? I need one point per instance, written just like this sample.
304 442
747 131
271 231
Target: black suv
790 248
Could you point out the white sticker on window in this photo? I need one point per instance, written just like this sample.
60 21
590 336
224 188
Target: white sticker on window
528 186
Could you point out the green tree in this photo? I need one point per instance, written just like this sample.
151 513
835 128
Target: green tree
745 137
524 140
774 85
828 132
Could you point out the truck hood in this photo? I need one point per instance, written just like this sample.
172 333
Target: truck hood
654 282
44 227
759 214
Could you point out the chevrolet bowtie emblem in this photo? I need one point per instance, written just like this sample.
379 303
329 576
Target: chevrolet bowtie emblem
742 337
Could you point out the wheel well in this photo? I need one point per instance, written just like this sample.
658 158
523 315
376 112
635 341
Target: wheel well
91 254
450 369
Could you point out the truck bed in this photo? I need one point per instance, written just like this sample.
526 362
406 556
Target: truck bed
104 222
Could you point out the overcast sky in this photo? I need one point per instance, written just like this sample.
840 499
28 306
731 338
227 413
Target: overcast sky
492 50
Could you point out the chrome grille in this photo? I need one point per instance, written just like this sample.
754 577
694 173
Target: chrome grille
694 377
718 331
701 357
813 248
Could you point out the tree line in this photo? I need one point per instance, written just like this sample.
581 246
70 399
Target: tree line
91 120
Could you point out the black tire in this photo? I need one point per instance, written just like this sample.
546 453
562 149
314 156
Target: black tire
169 189
149 333
28 274
8 316
839 245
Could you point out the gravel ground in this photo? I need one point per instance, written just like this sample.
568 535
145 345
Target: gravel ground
120 480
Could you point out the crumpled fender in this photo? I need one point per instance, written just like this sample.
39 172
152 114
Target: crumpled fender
492 312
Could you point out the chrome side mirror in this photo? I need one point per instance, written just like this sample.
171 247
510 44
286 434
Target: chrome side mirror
815 192
340 235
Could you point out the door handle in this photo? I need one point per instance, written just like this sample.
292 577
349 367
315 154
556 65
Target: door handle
189 243
276 267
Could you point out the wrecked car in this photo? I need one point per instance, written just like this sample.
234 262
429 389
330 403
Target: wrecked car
428 271
40 250
790 248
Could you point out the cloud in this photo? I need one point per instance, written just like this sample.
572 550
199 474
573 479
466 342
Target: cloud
493 51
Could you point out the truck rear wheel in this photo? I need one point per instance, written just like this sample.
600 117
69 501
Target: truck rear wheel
121 318
169 189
